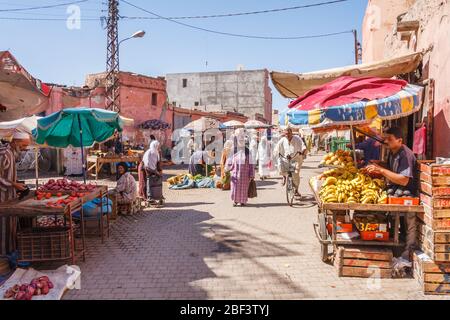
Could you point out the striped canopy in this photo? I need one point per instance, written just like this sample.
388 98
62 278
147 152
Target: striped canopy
403 103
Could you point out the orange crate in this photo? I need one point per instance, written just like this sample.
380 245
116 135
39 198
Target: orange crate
340 227
374 235
407 201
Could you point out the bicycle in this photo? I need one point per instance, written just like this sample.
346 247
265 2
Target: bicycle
28 160
290 186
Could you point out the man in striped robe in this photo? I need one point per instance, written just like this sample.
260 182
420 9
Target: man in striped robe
8 188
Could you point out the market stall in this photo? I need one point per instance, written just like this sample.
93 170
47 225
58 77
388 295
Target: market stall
200 130
355 208
78 127
96 162
54 242
337 223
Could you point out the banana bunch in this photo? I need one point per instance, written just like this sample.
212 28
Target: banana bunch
339 158
178 179
351 186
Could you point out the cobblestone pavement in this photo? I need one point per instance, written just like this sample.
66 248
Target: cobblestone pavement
200 247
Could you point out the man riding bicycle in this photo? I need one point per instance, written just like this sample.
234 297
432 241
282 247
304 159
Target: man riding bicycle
291 148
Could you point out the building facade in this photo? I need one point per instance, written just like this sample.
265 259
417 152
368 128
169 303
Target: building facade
244 91
396 27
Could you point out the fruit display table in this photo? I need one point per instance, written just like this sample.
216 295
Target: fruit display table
32 207
332 210
95 163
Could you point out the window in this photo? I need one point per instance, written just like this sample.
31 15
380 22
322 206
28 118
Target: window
154 99
196 103
184 83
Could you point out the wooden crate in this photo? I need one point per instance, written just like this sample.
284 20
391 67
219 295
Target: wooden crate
431 190
437 224
435 202
433 277
436 213
364 262
435 180
4 266
44 244
431 168
435 244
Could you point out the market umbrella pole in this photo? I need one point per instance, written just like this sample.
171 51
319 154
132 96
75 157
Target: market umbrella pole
82 149
36 165
352 138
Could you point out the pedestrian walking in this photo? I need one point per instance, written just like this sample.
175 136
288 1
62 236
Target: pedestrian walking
264 158
227 153
242 170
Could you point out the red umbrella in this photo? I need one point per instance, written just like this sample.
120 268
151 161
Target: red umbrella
345 90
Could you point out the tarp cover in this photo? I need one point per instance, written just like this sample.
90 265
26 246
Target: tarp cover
293 85
26 125
63 278
20 93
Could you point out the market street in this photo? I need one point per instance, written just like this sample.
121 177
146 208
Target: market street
200 247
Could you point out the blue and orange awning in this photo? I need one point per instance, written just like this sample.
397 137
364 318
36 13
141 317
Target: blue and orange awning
353 101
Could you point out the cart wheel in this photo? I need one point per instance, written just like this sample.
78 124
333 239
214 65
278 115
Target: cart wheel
324 235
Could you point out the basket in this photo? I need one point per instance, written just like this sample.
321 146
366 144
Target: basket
338 143
44 244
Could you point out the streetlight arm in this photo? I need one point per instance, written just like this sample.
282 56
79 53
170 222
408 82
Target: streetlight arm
124 40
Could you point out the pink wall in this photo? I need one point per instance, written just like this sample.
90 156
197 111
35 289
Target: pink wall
434 30
379 20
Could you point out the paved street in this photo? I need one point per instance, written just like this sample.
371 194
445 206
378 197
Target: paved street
200 247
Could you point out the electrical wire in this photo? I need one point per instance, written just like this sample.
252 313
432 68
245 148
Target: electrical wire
43 7
236 34
240 13
47 19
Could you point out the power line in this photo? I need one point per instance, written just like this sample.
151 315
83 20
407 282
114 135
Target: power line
240 13
43 7
236 34
47 19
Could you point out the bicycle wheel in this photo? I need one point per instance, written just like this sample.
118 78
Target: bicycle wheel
290 190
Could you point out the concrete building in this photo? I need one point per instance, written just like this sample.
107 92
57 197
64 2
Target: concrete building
396 27
243 91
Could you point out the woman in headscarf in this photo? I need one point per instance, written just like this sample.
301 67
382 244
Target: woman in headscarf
126 185
242 170
264 158
150 162
152 185
226 154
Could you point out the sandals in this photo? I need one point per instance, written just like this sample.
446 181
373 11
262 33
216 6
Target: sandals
238 204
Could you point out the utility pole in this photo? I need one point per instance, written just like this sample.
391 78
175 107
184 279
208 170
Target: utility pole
112 59
356 46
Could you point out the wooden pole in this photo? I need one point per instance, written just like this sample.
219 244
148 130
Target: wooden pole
36 165
352 138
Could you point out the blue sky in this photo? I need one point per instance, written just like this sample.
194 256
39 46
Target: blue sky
52 52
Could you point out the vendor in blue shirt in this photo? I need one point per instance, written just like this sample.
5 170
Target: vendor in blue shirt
371 148
401 172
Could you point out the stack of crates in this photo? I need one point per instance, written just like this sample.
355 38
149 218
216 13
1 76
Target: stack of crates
338 143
